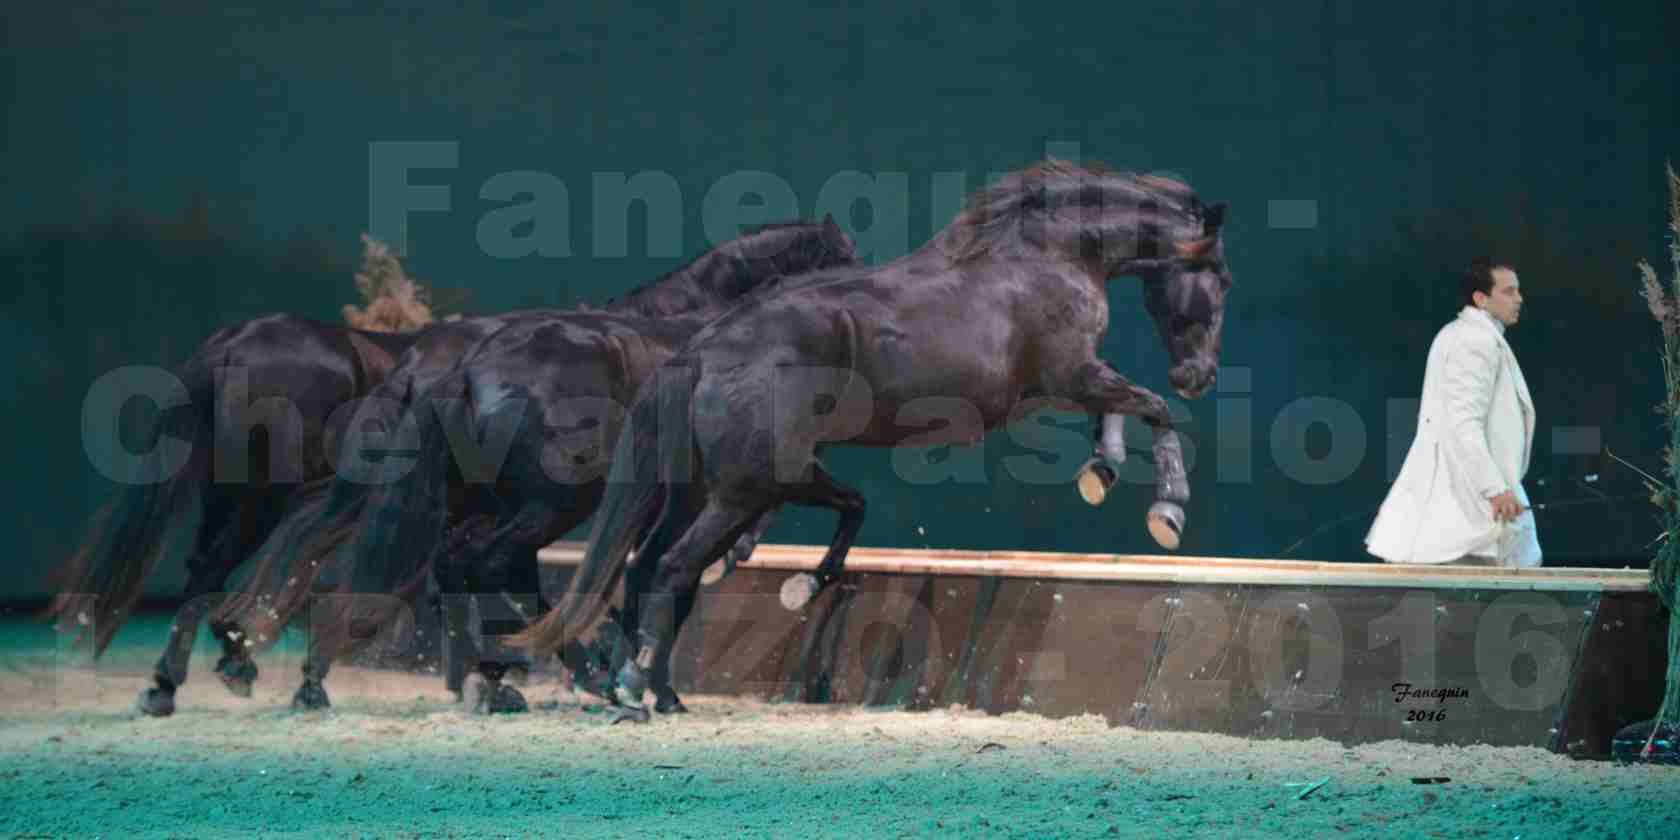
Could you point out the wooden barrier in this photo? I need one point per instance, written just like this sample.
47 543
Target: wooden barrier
1552 658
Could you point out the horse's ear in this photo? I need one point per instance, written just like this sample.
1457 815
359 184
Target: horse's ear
1213 217
836 236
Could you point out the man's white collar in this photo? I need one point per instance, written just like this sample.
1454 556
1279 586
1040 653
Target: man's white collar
1478 312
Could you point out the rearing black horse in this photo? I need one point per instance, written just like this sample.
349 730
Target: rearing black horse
1007 303
518 435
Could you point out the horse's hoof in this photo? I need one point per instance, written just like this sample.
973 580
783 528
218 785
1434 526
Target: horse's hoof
155 702
668 703
1166 524
633 714
237 675
238 688
517 675
797 591
715 572
311 697
500 700
1096 478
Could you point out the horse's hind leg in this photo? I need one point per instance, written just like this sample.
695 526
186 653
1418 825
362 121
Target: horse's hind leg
823 490
312 694
637 581
454 607
675 577
224 538
681 512
236 669
509 565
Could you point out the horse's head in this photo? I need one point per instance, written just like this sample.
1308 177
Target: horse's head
1184 291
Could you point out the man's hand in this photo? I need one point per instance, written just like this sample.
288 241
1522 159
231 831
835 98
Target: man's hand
1505 507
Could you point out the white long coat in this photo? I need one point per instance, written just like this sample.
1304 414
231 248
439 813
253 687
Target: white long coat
1475 432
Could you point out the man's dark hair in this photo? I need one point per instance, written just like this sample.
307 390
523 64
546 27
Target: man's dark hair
1479 278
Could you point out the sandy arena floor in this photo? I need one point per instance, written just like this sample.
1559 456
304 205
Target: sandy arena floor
396 758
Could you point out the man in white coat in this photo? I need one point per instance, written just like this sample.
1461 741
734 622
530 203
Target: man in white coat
1459 497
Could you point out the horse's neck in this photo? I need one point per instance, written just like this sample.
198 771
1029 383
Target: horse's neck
939 256
676 294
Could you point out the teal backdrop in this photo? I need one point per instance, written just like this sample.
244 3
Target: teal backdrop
173 171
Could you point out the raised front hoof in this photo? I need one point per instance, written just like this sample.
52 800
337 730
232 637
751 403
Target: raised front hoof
156 702
797 591
1166 524
668 703
311 697
237 676
1096 478
629 714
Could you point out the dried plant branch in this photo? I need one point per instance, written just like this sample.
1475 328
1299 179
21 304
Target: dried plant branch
395 301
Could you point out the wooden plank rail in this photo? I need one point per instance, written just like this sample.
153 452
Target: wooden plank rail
1554 658
1172 569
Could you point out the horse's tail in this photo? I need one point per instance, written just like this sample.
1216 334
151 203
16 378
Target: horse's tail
634 494
406 519
381 517
104 579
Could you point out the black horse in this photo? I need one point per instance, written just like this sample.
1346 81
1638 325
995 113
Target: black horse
268 402
516 440
260 399
1007 303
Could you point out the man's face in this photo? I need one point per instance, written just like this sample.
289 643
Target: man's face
1505 302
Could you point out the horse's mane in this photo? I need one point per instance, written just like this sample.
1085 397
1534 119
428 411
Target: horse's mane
993 213
676 292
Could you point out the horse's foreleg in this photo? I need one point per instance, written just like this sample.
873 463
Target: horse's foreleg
1099 474
741 551
1102 389
823 490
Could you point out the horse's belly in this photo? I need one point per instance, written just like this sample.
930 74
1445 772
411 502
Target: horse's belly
935 417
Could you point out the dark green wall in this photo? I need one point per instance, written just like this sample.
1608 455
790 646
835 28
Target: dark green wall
173 171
